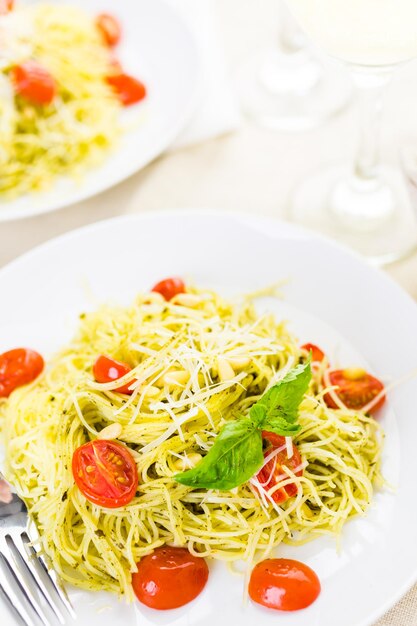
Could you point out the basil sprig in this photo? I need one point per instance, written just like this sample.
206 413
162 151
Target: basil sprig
236 454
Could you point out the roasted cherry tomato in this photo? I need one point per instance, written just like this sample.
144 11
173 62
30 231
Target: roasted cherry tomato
32 81
106 370
109 28
356 389
18 367
169 287
105 473
284 584
273 472
169 578
317 354
6 6
128 89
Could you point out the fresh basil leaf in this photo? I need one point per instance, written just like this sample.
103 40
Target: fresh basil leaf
284 398
257 414
234 458
236 454
280 426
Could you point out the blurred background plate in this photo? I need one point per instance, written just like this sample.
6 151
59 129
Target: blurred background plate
331 297
158 48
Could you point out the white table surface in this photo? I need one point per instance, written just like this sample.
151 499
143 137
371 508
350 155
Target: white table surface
251 170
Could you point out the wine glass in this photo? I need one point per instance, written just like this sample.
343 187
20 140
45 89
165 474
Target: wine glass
289 86
365 205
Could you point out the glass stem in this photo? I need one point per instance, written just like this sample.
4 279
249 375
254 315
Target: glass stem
370 87
291 38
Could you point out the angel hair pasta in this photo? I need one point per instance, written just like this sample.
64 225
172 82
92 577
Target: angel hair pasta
59 114
198 362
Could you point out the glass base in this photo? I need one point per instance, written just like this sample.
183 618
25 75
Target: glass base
378 221
291 91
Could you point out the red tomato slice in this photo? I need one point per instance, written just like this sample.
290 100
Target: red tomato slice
356 389
128 89
105 473
106 370
169 287
32 81
109 28
317 354
273 472
6 6
284 584
18 367
169 578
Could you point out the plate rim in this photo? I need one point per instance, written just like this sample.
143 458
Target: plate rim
249 218
273 226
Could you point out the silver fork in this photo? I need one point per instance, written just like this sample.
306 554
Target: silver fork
27 584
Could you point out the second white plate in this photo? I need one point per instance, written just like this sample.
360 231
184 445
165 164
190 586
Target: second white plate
158 48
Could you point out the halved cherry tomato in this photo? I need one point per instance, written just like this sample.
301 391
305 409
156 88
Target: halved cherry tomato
169 578
32 81
18 367
273 472
317 354
284 584
128 89
6 6
356 388
105 473
169 287
109 28
106 370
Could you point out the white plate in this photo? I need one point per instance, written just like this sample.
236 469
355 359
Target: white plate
158 48
332 298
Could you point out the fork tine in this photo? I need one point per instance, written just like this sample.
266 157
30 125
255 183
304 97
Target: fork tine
31 535
20 542
56 583
7 592
8 559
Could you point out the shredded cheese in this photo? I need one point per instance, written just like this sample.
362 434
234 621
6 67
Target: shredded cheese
174 426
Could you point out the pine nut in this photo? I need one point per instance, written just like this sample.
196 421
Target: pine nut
239 362
187 299
112 431
175 378
225 370
354 373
